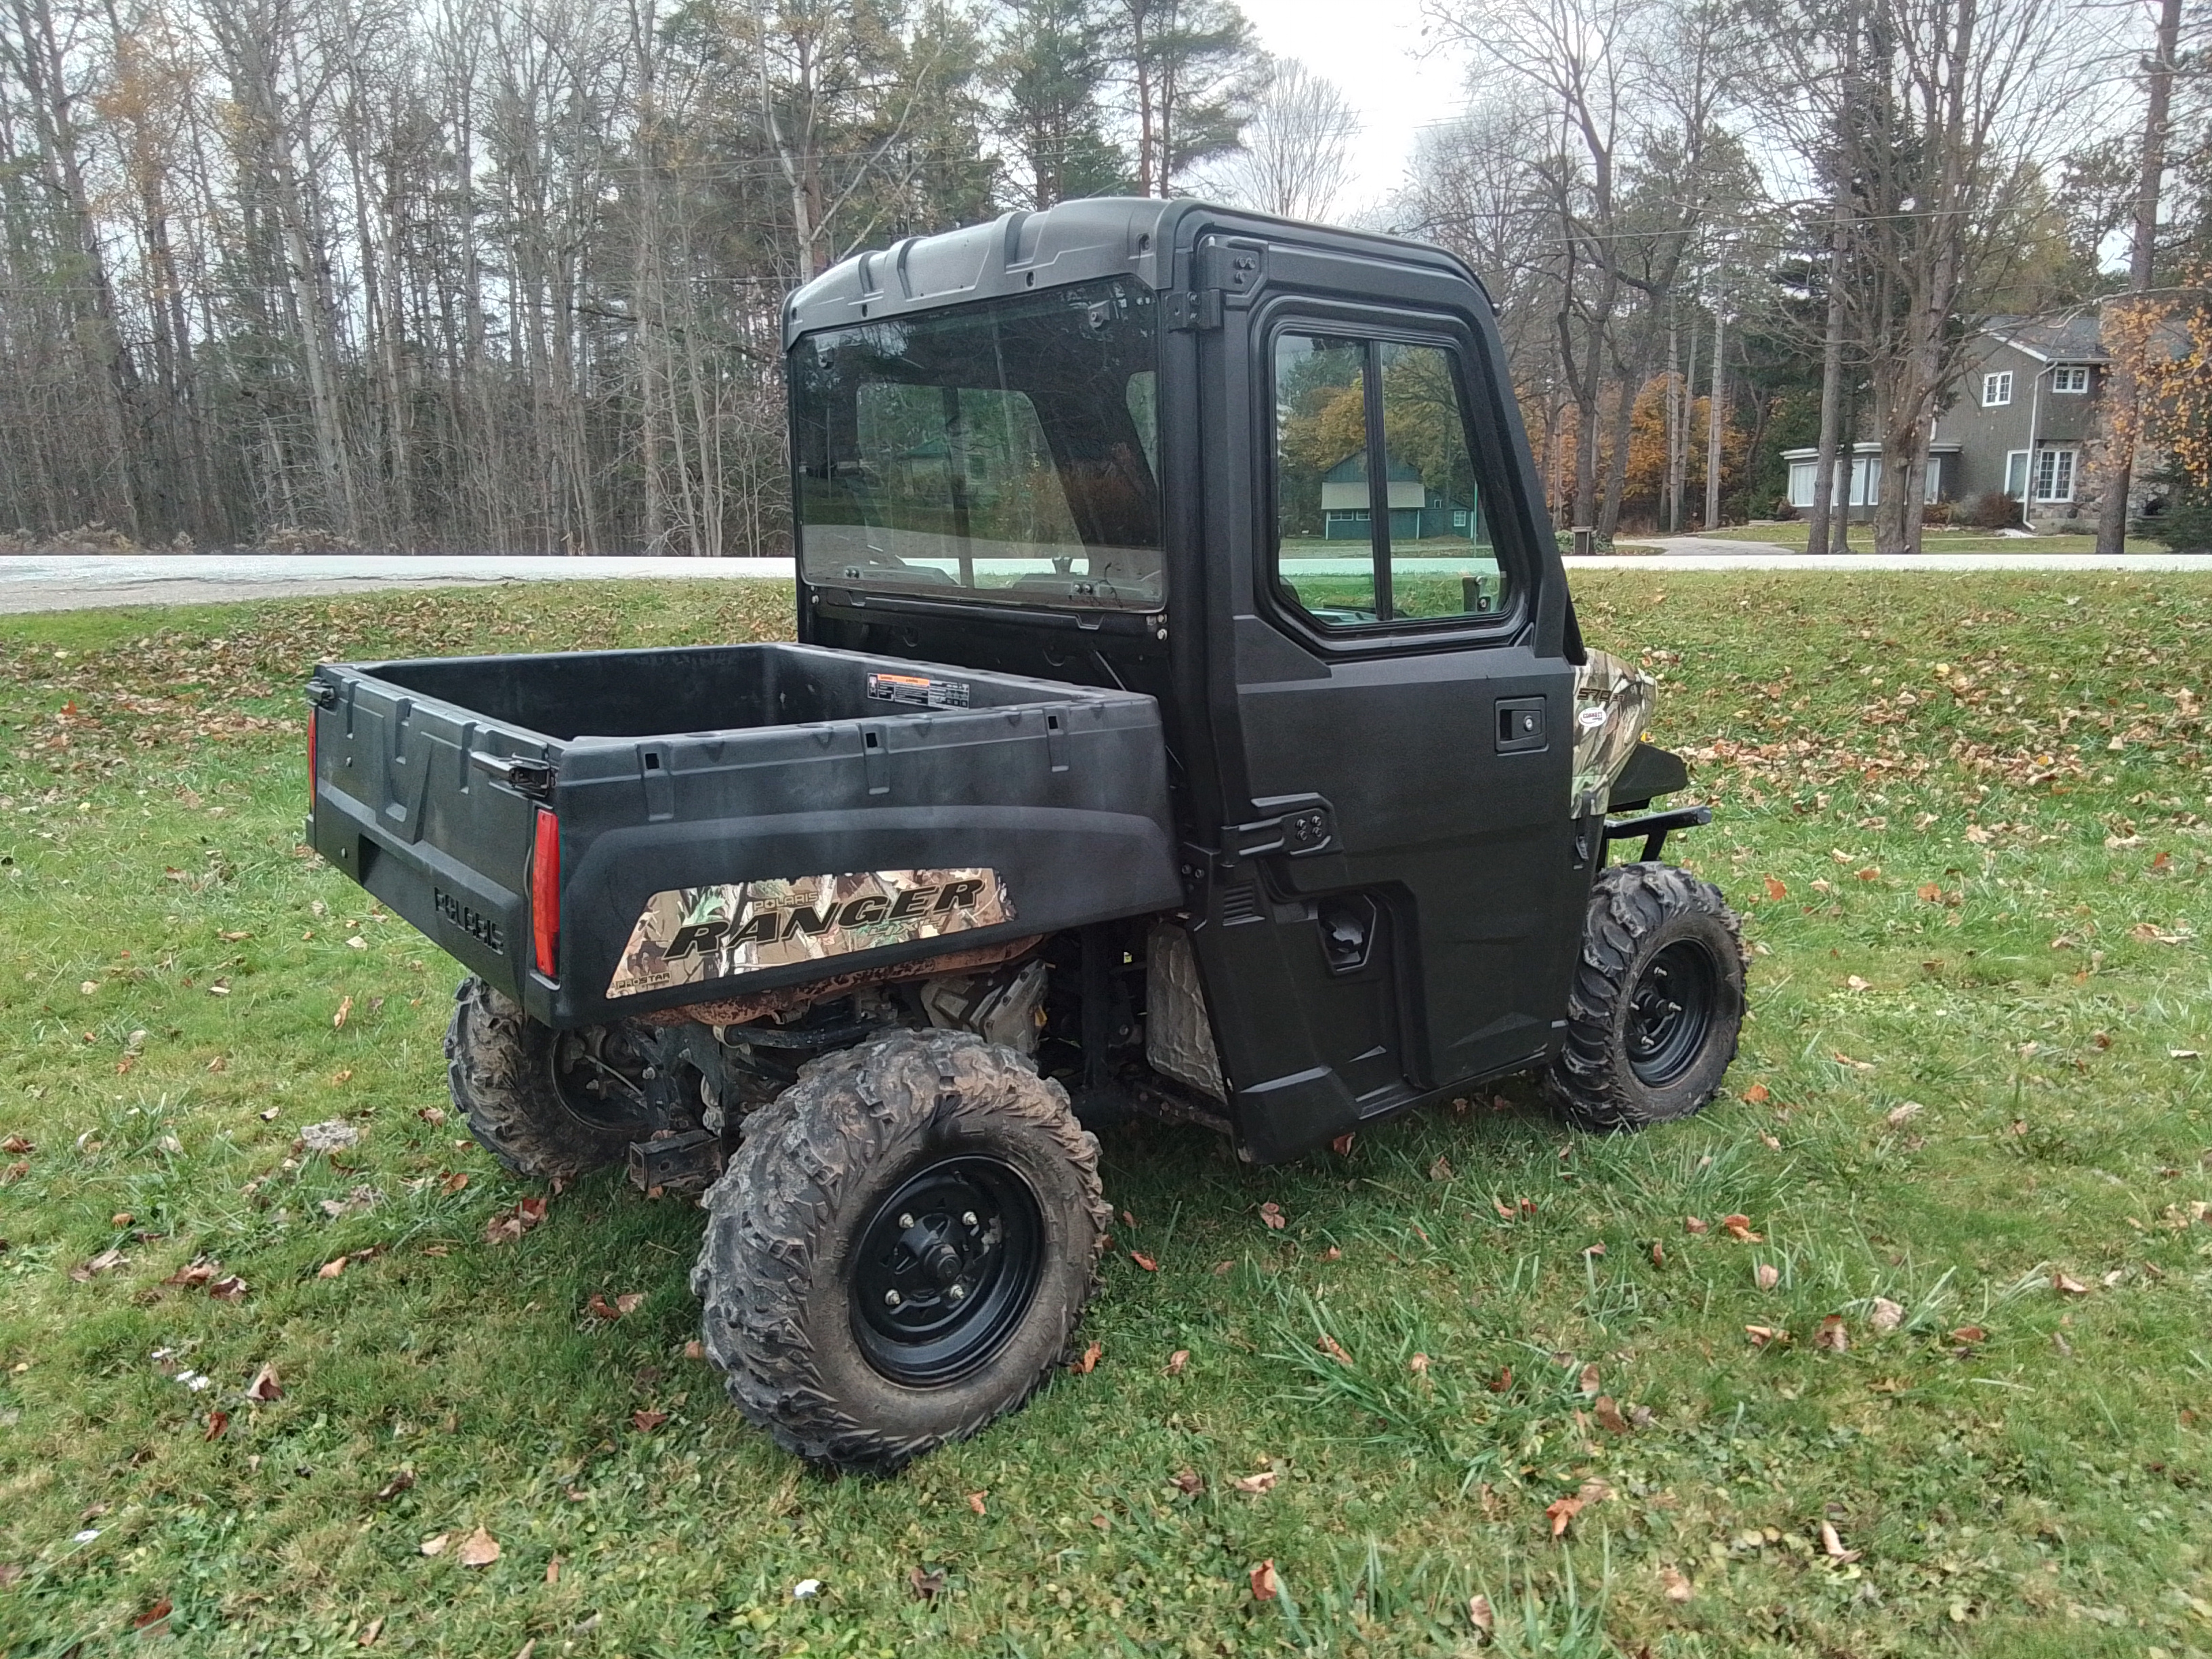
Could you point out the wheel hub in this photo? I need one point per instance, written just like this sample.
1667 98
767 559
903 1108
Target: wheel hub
1670 1012
945 1267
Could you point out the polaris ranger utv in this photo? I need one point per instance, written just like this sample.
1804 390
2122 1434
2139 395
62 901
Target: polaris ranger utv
1188 715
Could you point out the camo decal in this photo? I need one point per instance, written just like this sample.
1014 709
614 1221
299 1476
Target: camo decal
1612 705
689 935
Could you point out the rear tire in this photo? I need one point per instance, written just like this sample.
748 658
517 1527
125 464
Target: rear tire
525 1090
902 1248
1657 1003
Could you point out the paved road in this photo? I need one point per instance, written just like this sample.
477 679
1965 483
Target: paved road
74 581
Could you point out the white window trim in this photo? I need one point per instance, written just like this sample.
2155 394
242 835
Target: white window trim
1997 389
2072 469
2070 379
2026 474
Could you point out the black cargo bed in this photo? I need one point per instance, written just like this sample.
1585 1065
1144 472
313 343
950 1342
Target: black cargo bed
734 791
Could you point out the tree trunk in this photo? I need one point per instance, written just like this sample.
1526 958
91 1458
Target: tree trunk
1716 420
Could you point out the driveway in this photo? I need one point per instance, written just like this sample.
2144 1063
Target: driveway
74 581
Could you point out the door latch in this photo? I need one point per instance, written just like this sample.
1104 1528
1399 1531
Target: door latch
1520 724
1307 826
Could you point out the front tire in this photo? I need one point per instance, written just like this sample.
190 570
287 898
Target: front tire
900 1251
1657 1004
548 1105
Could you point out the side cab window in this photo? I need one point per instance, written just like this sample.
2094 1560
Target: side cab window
1381 516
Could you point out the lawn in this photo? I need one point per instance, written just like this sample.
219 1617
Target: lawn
1901 1348
1936 539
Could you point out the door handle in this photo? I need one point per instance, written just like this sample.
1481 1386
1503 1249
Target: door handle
1521 724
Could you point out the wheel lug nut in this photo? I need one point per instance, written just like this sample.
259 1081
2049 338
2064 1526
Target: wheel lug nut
891 1299
957 1292
969 1219
906 1221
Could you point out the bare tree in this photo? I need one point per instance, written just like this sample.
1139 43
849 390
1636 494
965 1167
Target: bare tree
1296 156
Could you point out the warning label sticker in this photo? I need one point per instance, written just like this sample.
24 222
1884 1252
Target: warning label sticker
919 690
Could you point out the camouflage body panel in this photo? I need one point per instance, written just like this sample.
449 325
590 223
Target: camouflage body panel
692 935
1612 705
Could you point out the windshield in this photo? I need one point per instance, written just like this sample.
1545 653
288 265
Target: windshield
1006 450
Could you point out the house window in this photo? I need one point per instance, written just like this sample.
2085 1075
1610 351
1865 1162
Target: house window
1997 389
2070 377
2016 474
2054 475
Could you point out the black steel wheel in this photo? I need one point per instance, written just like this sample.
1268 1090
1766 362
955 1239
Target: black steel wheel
545 1104
900 1250
946 1270
1656 1004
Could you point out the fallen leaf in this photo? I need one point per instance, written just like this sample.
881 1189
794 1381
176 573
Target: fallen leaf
1440 1169
1608 1416
369 1632
153 1615
1595 1250
1775 890
398 1482
1929 892
1480 1615
2182 1054
1188 1482
1770 1142
1843 1059
1967 1335
508 1225
1341 1145
1255 1484
1089 1362
2066 1285
1765 1335
1887 1315
1872 872
1692 1225
1419 1365
1144 1261
629 1301
106 1261
1272 1214
1738 1227
1263 1582
194 1274
553 1570
1563 1510
435 1546
1831 1545
1757 1094
1767 1275
976 1501
1591 1380
1898 1116
1677 1588
1502 1382
344 1012
331 1269
265 1385
478 1549
16 1144
218 1420
1854 982
1221 1268
1334 1349
452 1181
695 1349
1832 1336
647 1421
924 1586
1176 1361
1658 1254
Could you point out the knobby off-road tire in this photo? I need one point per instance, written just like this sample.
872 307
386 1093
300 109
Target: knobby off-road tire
1658 1001
853 1184
503 1067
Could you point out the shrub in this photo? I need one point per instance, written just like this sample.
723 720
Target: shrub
1993 510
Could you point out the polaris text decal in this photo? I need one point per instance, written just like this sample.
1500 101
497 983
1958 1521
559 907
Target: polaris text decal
689 935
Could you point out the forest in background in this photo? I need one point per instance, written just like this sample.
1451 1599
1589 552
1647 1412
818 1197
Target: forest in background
504 275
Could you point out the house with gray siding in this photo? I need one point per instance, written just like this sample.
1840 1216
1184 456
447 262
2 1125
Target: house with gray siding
2022 420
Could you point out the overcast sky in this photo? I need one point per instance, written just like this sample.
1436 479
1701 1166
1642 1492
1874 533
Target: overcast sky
1372 50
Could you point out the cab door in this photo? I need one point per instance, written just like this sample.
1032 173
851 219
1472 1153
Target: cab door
1397 895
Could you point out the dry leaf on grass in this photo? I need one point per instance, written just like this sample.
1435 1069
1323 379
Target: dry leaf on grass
435 1546
1176 1361
1481 1616
1738 1227
1089 1362
924 1586
1341 1145
265 1385
553 1570
1264 1584
1757 1094
1333 1349
344 1012
1144 1261
153 1615
1272 1214
1776 891
508 1225
976 1501
1419 1365
647 1421
1591 1381
478 1549
1189 1482
1607 1412
1692 1225
1898 1116
1677 1588
1765 1335
1502 1382
218 1420
1831 1337
1767 1275
2067 1284
1255 1484
695 1349
1831 1545
369 1632
1887 1315
398 1482
331 1269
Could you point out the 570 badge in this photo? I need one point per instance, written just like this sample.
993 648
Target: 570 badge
689 935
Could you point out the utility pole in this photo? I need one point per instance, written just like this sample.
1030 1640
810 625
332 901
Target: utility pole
2123 393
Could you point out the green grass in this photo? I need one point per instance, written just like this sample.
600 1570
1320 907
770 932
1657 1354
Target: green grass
1935 540
2022 1471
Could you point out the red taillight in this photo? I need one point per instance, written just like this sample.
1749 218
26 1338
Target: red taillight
545 891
